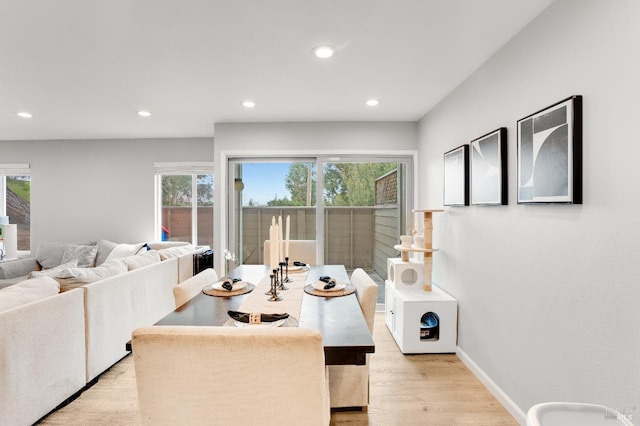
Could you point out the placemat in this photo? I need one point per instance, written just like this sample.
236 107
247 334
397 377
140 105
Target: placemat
289 322
210 291
310 289
298 271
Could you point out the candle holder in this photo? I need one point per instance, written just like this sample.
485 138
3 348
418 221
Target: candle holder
286 263
274 288
282 285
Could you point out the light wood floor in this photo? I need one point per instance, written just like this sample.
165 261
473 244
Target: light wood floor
405 390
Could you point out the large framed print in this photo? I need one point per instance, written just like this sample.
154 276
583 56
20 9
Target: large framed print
488 166
550 154
456 176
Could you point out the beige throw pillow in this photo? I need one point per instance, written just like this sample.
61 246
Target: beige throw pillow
73 277
140 260
84 255
172 252
53 272
124 250
27 291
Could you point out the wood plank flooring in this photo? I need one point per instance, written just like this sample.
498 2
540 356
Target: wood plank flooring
405 390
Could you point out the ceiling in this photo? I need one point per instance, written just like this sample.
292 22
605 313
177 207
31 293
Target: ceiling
83 68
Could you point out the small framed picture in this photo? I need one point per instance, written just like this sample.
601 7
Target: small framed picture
550 154
489 169
456 176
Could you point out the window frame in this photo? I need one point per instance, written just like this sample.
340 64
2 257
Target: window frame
188 168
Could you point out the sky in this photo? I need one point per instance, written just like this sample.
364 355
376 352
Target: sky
263 181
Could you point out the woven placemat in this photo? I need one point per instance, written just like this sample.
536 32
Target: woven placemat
289 322
298 271
210 291
349 289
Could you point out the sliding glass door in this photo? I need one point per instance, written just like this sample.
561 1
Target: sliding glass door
355 207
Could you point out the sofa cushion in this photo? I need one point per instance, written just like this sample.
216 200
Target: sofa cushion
74 277
143 259
173 252
104 249
53 272
49 255
84 255
27 291
125 250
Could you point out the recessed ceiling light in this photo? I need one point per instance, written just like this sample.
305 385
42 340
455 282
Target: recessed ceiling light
372 102
324 52
143 113
24 114
248 104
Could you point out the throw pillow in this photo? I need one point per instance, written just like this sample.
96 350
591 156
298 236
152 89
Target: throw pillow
84 255
140 260
49 255
104 249
82 276
172 252
124 250
52 272
27 291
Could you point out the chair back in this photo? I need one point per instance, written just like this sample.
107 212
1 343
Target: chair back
367 294
190 287
299 250
225 375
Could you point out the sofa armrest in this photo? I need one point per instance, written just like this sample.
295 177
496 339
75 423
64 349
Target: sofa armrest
18 268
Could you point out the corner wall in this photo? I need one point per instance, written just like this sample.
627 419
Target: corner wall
548 294
92 189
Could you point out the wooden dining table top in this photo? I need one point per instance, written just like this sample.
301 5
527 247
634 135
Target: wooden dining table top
345 334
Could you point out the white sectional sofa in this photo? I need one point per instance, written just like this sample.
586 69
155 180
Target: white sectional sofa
52 347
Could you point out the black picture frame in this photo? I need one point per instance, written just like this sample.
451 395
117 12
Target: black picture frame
488 169
456 176
550 154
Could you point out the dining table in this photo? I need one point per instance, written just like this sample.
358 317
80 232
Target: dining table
337 315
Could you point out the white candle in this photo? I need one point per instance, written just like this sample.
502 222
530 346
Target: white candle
286 250
273 244
280 249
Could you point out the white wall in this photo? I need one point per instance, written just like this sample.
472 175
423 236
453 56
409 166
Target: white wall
548 294
287 139
91 189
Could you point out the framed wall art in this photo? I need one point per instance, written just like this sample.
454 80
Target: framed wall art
488 166
550 154
456 176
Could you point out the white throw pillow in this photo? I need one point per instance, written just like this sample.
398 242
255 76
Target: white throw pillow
53 272
105 247
27 291
89 275
140 260
84 255
124 250
172 252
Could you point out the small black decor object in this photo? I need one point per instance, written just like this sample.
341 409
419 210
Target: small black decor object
456 177
550 154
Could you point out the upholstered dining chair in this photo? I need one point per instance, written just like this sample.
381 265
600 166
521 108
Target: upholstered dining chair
190 287
299 250
194 375
349 384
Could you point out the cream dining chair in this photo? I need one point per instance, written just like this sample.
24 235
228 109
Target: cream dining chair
299 250
349 384
193 375
189 288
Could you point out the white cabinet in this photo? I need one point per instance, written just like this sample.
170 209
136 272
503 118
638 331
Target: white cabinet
421 321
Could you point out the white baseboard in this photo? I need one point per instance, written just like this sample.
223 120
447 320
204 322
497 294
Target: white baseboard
495 390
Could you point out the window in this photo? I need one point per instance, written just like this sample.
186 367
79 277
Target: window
15 200
184 202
